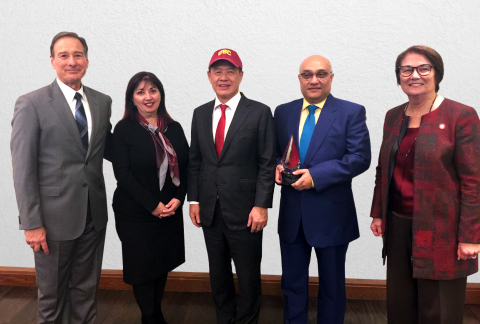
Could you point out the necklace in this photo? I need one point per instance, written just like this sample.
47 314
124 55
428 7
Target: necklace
413 143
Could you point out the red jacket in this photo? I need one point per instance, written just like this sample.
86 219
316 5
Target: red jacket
446 202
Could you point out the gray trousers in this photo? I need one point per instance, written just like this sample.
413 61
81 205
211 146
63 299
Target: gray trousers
68 277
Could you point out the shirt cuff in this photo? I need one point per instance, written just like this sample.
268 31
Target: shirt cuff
194 202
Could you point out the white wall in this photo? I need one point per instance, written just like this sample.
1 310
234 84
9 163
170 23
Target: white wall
175 40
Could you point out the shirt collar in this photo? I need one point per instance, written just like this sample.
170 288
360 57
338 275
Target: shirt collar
319 105
232 103
68 92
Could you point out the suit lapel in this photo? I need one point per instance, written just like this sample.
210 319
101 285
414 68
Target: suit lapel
325 121
207 120
62 109
95 115
240 114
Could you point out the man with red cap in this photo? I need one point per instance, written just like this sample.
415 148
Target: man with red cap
230 187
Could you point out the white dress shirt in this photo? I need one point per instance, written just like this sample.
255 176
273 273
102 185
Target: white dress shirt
69 94
232 105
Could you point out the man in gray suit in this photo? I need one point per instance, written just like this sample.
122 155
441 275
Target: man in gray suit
59 136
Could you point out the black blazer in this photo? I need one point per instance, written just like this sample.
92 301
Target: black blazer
134 163
243 176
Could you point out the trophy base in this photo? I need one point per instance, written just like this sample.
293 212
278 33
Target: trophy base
288 179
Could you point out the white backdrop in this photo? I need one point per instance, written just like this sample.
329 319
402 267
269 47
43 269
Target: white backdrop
175 40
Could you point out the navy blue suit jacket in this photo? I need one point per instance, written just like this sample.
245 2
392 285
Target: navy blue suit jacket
339 150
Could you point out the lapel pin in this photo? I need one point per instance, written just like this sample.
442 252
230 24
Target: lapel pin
441 126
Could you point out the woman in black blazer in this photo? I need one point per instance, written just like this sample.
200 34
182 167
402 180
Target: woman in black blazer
150 164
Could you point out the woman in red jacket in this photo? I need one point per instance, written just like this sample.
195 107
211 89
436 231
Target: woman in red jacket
426 201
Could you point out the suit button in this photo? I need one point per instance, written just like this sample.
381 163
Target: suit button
86 163
84 185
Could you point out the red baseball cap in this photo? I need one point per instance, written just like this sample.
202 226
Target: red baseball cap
227 55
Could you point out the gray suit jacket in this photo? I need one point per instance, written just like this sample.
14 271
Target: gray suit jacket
54 176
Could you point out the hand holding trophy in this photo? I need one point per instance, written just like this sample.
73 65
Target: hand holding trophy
290 163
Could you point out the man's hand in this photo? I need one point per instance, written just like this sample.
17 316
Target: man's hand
278 174
37 239
305 181
257 218
467 251
376 227
195 214
170 208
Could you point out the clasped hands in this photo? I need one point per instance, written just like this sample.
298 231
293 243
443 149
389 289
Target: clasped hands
304 183
464 251
166 210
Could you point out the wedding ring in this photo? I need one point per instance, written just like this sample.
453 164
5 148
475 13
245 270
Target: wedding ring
474 257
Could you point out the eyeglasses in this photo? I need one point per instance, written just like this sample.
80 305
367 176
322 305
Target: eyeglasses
307 76
423 69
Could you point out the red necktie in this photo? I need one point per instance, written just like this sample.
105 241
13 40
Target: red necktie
220 132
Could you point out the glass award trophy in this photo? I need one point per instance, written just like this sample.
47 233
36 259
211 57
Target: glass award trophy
290 163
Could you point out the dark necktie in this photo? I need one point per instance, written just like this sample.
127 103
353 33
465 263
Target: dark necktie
81 119
307 132
220 132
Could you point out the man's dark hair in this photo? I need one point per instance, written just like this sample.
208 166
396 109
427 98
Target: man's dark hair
217 63
72 35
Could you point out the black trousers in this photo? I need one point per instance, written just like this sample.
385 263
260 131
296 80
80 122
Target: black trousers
245 249
411 300
149 300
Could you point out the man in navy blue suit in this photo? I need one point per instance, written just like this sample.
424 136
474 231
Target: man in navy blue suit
318 210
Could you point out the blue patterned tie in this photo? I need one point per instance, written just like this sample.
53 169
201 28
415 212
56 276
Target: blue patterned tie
81 119
307 132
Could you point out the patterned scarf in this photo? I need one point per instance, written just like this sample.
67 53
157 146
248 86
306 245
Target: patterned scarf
162 146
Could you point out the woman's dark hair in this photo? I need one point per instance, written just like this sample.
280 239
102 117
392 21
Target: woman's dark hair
131 111
431 55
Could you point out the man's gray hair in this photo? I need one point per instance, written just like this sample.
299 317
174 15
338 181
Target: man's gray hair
72 35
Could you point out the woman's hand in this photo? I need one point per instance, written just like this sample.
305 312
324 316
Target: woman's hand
158 210
376 227
467 251
166 210
170 208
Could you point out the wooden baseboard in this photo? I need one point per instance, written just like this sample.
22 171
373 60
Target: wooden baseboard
365 289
